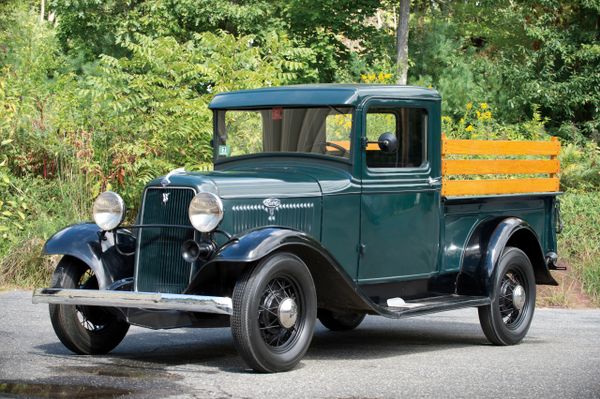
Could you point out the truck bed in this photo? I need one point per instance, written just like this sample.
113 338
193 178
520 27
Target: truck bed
463 214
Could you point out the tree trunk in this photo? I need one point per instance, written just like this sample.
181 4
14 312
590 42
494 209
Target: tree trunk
42 10
402 41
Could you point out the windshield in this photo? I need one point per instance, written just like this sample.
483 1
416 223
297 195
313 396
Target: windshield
324 131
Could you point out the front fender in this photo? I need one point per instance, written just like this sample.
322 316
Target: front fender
335 289
259 243
83 241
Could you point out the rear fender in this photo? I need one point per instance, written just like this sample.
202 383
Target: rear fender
335 289
86 243
486 245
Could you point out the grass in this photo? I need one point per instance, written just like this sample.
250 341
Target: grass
579 243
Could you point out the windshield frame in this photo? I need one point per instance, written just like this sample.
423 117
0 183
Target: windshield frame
279 154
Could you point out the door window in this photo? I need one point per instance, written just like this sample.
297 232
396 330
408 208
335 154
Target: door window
409 125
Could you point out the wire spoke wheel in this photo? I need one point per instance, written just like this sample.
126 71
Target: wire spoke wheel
506 320
512 298
85 330
278 312
92 318
274 313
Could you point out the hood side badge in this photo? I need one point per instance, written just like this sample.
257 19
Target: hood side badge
271 205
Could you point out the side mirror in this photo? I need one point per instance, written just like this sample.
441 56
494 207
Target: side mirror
388 143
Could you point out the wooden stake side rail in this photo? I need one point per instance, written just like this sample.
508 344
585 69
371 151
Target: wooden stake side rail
451 167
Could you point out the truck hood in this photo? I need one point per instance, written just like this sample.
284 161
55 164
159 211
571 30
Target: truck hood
266 181
247 184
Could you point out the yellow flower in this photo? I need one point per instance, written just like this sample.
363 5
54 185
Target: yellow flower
461 121
469 128
469 106
388 75
487 115
363 77
478 114
483 106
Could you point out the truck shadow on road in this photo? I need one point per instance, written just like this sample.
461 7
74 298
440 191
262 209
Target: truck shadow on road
214 348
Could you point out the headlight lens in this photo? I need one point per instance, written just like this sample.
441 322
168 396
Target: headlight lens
109 210
206 211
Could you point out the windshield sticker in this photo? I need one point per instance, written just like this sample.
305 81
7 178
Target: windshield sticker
224 151
277 114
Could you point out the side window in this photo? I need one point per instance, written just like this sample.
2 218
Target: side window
409 125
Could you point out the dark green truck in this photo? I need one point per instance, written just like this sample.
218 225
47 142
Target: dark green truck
326 202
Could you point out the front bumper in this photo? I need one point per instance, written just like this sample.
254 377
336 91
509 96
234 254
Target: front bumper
128 299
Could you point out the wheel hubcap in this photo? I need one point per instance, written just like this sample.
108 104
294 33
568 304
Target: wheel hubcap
279 313
287 313
513 298
518 297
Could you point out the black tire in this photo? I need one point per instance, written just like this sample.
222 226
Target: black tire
340 321
502 321
84 330
259 332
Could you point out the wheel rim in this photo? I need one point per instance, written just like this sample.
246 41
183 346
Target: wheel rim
280 313
513 303
90 318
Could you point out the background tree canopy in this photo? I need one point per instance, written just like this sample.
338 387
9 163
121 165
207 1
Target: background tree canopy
99 94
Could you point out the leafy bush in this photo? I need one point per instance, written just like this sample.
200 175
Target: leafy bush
578 243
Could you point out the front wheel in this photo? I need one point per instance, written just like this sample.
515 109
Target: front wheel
507 319
85 330
274 313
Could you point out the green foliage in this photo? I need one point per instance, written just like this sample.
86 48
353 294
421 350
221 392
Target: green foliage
113 93
477 122
580 167
578 242
67 133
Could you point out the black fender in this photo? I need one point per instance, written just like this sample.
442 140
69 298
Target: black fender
335 288
484 248
86 242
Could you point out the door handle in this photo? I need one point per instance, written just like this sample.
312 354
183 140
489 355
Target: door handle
434 181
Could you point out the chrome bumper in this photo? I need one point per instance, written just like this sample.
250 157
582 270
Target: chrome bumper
127 299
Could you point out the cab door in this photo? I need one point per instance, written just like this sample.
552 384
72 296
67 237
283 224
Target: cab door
400 198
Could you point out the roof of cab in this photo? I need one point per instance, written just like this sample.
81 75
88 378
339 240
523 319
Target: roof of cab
317 95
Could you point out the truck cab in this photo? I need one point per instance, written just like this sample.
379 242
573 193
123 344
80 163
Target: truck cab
326 202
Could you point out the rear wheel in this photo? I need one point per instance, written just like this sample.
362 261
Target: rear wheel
340 321
274 313
85 330
507 319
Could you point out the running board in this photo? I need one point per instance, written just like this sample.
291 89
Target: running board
432 305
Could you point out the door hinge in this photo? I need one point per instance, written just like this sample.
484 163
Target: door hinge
361 249
364 142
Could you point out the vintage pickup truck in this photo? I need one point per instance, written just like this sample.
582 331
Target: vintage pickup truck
326 202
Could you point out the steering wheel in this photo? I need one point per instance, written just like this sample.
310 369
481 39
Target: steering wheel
342 150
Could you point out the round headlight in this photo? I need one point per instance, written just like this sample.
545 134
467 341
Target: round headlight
206 211
109 210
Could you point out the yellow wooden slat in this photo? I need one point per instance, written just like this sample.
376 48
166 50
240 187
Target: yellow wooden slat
500 147
498 166
506 186
346 145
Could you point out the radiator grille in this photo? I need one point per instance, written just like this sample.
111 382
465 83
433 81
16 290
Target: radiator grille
160 267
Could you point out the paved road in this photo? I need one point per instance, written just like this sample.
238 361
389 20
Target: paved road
441 356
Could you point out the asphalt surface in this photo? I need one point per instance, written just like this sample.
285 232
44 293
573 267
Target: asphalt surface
442 356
